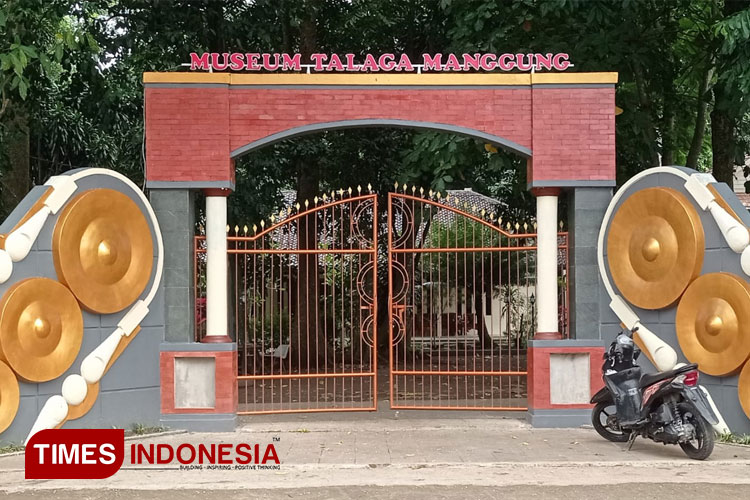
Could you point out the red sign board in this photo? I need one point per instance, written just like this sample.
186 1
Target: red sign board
75 453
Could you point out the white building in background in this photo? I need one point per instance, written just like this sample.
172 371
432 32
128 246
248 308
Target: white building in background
739 184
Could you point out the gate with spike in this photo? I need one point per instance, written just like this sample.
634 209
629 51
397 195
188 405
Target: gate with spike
459 306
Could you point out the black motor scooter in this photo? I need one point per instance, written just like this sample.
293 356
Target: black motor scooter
667 407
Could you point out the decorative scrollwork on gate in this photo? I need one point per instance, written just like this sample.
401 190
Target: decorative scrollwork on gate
364 214
399 281
364 284
401 227
397 324
367 330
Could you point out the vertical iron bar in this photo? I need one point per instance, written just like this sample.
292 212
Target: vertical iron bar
440 311
492 316
325 305
315 262
431 303
478 315
411 303
350 299
391 348
464 363
374 257
424 226
263 321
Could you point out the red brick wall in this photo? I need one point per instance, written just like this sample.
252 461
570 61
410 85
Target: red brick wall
257 113
574 134
187 134
190 132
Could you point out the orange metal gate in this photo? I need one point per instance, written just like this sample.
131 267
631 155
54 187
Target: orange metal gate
304 307
305 304
461 294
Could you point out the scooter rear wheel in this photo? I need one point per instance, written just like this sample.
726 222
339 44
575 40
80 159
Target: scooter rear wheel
701 447
604 420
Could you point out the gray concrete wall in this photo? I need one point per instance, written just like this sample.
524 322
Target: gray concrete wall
175 210
129 392
586 207
718 257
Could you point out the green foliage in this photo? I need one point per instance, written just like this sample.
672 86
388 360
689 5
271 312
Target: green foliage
441 161
265 300
11 448
342 159
734 35
267 330
139 429
506 276
513 268
35 35
462 232
518 310
735 438
340 300
74 69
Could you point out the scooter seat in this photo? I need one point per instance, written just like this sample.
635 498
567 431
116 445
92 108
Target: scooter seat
651 378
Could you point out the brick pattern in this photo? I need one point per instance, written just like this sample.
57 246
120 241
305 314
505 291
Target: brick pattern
538 375
257 113
574 134
226 381
187 134
190 132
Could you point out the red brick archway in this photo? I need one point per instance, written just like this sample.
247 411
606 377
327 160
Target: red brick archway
197 123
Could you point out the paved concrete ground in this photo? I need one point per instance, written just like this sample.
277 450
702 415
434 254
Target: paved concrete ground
422 455
597 492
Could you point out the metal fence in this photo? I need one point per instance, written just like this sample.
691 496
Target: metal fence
462 304
303 297
459 306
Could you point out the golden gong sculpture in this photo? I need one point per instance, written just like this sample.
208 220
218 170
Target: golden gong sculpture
743 388
41 328
712 323
9 396
655 247
102 250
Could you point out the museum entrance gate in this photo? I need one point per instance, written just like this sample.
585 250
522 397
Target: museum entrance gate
450 288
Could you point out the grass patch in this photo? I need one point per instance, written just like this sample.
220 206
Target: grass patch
735 438
143 429
11 448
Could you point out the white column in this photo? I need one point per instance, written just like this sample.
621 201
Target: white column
216 268
546 264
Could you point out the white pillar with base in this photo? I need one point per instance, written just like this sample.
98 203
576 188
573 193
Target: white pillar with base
216 267
546 264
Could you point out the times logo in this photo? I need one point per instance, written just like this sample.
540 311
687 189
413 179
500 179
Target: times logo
75 453
99 453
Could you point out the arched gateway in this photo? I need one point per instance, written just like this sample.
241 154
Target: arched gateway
196 124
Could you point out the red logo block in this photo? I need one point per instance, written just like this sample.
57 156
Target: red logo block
75 453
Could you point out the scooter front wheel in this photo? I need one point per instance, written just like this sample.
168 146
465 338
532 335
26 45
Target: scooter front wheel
604 419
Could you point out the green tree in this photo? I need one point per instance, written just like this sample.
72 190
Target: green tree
34 38
731 89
